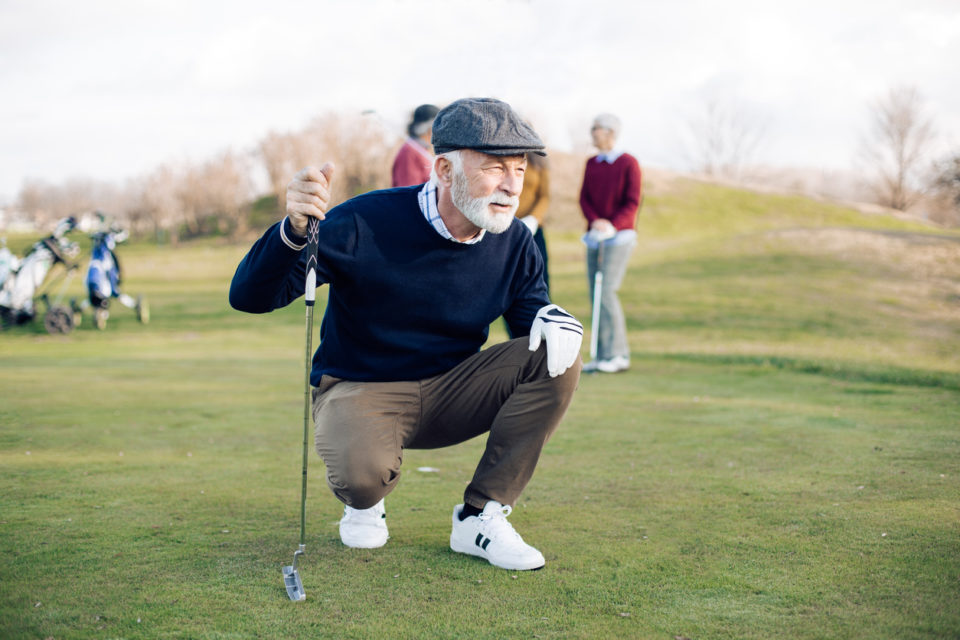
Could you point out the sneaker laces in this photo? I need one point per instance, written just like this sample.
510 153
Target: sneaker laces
495 524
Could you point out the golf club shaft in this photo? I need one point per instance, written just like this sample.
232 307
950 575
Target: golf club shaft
310 295
597 292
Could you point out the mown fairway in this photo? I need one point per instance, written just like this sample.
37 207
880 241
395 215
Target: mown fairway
782 460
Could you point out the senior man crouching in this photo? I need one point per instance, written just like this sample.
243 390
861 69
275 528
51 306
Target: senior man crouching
416 276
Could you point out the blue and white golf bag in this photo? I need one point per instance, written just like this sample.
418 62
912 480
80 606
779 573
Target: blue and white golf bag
103 272
104 278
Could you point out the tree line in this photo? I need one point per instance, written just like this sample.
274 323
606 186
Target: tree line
219 195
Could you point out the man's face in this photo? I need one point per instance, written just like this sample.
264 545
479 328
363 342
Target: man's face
603 138
487 190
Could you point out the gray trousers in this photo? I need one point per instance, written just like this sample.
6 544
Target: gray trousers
362 428
612 332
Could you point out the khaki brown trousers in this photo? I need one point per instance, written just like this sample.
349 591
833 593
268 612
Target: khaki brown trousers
362 428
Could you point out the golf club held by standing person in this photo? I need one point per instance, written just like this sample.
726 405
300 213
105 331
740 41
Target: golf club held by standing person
416 275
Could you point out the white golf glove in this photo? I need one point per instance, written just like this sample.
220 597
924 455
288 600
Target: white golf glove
563 335
601 235
531 223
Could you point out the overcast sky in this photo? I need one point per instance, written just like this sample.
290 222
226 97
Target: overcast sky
112 89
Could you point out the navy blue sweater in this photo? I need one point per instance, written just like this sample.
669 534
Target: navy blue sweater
404 302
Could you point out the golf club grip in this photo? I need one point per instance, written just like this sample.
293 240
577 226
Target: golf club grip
313 241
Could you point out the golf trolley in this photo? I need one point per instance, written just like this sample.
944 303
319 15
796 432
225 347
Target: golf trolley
104 277
26 283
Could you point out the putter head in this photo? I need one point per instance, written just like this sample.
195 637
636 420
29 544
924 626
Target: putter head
291 580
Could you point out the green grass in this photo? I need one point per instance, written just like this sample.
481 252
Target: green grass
782 459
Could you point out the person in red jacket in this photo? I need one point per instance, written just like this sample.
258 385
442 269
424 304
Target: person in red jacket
610 198
414 160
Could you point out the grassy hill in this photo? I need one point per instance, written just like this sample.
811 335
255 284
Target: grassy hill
781 459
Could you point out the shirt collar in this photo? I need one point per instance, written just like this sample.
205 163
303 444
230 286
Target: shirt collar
610 156
427 197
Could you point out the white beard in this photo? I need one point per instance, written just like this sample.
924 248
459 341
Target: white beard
477 210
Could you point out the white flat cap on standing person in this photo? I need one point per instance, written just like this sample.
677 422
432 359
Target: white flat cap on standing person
607 121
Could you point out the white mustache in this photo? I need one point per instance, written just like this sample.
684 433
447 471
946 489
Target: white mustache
507 200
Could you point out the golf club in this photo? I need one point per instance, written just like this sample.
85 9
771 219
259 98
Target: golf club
600 237
291 576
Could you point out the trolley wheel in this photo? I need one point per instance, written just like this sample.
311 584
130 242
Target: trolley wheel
58 319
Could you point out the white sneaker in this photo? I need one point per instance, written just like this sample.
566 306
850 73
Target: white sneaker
491 537
364 528
613 365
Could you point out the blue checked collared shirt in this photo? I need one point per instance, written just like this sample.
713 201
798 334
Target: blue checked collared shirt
428 205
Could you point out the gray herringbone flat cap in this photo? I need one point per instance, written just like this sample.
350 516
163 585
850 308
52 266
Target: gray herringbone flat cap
486 125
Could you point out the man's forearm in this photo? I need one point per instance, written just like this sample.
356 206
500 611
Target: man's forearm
270 276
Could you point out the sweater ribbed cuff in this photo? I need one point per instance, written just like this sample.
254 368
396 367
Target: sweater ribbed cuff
290 237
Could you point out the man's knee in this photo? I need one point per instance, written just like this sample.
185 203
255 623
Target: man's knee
363 481
358 441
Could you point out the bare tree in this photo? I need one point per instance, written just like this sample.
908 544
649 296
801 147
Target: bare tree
723 137
152 203
45 202
896 147
283 154
228 190
359 147
213 196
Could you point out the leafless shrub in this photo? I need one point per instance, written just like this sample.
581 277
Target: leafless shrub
283 154
228 190
152 204
45 203
212 196
359 147
895 147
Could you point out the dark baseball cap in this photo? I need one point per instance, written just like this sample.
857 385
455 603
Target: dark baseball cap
486 125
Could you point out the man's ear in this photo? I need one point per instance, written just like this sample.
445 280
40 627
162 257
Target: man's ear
444 169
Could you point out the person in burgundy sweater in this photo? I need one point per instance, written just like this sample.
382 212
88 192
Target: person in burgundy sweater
610 198
416 275
414 160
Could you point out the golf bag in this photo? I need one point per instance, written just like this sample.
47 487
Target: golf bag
9 263
104 278
22 288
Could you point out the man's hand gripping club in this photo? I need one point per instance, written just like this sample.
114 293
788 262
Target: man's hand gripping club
563 335
308 196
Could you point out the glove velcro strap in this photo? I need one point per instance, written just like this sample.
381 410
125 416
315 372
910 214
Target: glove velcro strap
564 320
